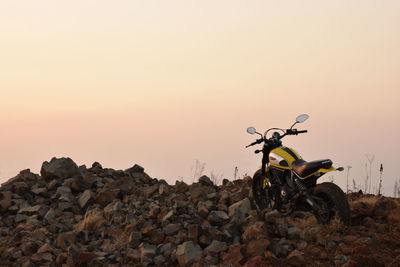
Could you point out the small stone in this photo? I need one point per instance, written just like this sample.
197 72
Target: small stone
296 258
188 253
233 256
256 231
202 210
29 248
193 232
218 217
257 247
20 187
135 239
168 215
84 199
216 247
159 260
45 248
147 253
166 249
239 210
172 228
6 199
38 191
293 232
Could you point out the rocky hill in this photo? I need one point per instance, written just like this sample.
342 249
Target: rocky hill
79 216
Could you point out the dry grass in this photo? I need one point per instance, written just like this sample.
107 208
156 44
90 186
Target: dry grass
335 227
92 221
367 199
302 220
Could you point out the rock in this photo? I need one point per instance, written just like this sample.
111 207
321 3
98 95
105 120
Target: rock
188 253
181 187
20 187
135 239
59 168
159 260
163 190
38 209
135 169
279 249
84 199
340 259
39 257
257 247
147 253
216 247
64 193
6 199
193 232
29 248
256 231
166 249
296 258
172 228
45 248
233 256
39 191
49 216
239 210
294 232
218 217
256 261
202 209
205 180
168 215
105 196
20 217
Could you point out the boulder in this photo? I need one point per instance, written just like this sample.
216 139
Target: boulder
59 168
205 180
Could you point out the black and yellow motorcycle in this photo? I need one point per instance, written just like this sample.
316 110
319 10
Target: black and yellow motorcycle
286 182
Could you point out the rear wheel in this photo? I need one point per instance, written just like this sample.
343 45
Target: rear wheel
332 202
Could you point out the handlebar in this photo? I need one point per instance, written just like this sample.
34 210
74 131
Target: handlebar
258 141
288 132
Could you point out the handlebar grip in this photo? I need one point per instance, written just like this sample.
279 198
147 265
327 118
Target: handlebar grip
303 131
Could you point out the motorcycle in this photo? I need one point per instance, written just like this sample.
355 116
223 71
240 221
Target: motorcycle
286 182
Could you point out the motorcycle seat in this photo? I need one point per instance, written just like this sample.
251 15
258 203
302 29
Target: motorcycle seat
303 168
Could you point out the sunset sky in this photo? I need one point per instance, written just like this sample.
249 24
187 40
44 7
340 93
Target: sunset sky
163 83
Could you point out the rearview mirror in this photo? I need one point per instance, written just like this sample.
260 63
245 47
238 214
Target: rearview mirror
302 118
251 130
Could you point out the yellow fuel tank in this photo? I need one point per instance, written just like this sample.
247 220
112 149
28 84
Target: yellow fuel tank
283 157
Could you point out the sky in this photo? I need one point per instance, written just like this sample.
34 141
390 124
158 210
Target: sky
165 83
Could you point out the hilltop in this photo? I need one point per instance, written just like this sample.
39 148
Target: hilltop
77 216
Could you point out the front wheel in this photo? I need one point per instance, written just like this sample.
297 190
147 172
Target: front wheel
259 192
333 203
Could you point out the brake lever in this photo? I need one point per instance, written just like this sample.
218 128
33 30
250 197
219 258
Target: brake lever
257 151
